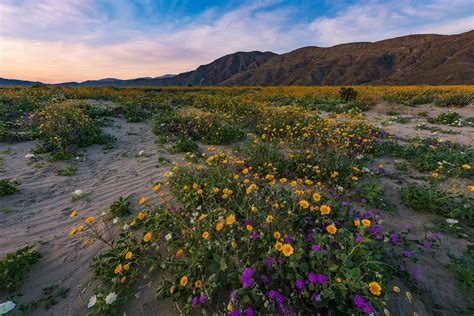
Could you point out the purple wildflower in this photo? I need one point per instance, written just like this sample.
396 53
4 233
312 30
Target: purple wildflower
315 297
265 279
321 278
394 238
368 308
247 277
359 301
195 300
312 277
255 235
249 311
315 248
269 261
300 284
203 298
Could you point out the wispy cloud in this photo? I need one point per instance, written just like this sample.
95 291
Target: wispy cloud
62 40
377 20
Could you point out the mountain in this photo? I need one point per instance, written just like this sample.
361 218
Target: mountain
115 82
219 70
412 59
15 82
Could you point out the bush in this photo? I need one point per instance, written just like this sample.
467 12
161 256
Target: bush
431 198
457 100
65 125
209 129
222 219
347 94
264 157
14 267
463 267
448 118
8 186
120 207
185 144
66 171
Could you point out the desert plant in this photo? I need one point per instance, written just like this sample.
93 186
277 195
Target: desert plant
120 207
347 94
8 186
14 267
66 171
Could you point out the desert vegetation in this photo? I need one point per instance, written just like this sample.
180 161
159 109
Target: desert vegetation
259 200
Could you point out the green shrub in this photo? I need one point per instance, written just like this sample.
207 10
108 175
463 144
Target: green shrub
120 207
66 125
463 267
66 171
448 118
347 94
8 186
431 198
185 144
457 100
14 267
265 157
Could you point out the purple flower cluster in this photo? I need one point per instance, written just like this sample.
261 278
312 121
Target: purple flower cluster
300 284
363 304
199 300
319 278
247 277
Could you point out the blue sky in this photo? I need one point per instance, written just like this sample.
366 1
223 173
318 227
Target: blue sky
62 40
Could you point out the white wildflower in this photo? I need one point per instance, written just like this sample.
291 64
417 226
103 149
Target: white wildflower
115 220
125 227
452 221
29 156
168 237
78 193
92 301
141 153
6 307
111 298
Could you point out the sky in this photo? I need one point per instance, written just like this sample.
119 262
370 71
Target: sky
75 40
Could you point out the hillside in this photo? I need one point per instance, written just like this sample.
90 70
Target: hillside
413 59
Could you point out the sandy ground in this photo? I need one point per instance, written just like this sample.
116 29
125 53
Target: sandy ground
39 212
408 130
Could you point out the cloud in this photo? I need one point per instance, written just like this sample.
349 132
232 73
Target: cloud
63 40
377 20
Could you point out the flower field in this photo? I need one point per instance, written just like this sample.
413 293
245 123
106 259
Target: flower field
273 200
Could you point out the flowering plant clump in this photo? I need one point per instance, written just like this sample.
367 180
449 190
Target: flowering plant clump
270 247
65 125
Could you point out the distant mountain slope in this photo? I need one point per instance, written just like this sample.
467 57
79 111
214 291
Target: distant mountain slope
15 82
219 70
413 59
